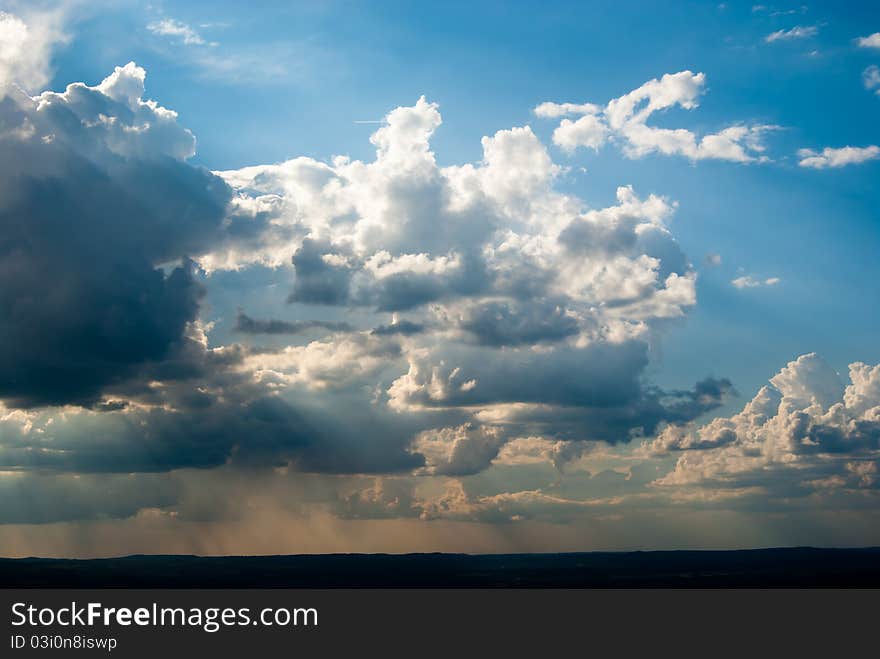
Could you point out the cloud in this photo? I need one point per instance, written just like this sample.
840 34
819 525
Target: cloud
44 499
588 131
582 425
466 449
401 233
335 362
771 11
831 157
550 110
502 377
805 432
97 197
399 326
512 382
515 292
624 120
871 41
248 325
517 310
809 380
238 62
511 324
194 408
219 406
748 281
871 78
797 32
547 395
712 260
168 27
26 43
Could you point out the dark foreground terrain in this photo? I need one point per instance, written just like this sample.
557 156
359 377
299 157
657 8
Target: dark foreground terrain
758 568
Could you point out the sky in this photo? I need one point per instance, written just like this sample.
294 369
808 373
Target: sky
483 277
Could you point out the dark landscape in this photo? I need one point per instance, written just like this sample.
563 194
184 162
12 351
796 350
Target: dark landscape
759 568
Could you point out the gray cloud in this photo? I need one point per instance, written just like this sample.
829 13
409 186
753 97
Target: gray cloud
401 327
507 323
464 379
248 325
317 281
94 218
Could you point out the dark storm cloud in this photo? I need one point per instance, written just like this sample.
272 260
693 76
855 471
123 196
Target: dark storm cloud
266 432
86 219
99 214
81 304
209 433
248 325
204 409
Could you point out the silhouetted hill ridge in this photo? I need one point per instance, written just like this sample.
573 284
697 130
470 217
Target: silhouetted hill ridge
774 567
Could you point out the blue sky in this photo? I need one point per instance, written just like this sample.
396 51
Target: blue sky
570 343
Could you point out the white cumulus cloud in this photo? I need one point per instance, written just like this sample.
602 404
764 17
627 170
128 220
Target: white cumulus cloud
805 431
625 120
871 41
831 157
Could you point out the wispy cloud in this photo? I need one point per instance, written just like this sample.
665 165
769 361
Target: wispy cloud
748 281
266 64
234 63
771 11
871 78
168 27
797 32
